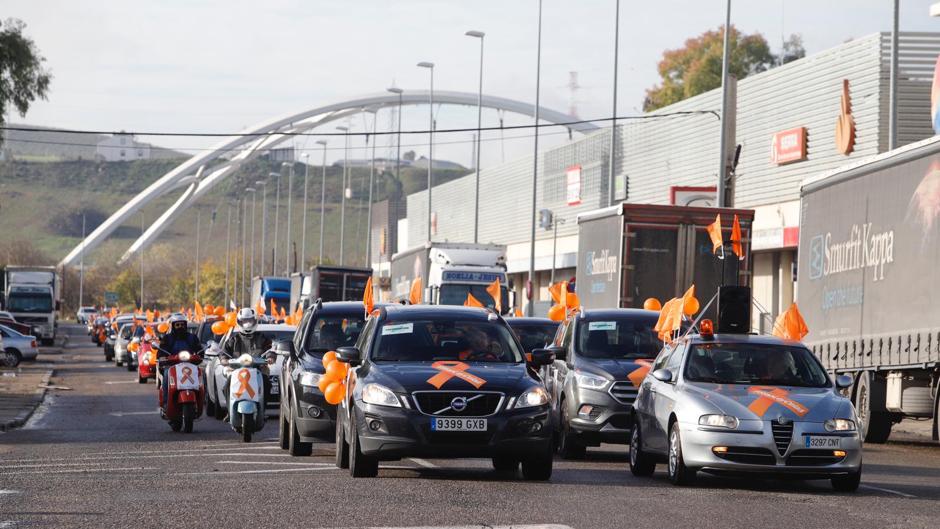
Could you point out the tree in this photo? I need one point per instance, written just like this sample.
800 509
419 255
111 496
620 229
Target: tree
791 50
22 77
696 67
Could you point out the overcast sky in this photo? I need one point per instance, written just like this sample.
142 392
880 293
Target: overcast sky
222 65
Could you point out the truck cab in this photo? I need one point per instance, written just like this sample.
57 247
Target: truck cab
35 306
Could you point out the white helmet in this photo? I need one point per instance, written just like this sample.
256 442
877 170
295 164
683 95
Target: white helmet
247 320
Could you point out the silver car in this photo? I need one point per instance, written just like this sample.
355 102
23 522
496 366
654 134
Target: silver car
19 344
744 404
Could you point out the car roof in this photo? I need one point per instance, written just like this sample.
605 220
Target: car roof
275 327
599 314
344 307
754 339
525 320
408 312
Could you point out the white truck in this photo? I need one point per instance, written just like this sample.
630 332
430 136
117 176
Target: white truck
31 295
449 271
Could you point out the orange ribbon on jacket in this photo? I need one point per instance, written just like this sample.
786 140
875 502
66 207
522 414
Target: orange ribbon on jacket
244 384
187 375
450 369
768 396
637 375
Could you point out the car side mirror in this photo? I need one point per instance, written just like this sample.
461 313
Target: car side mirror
284 348
844 381
542 357
349 355
560 352
663 375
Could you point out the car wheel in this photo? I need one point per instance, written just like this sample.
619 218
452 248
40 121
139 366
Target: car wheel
342 447
360 465
874 420
141 380
12 358
506 464
679 474
848 482
283 438
641 464
295 446
569 446
538 467
130 365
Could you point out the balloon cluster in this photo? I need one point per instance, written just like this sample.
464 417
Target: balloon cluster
229 319
333 381
565 302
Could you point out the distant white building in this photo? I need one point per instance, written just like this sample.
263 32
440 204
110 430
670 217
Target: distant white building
122 148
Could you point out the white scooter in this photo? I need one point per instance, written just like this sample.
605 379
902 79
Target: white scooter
246 395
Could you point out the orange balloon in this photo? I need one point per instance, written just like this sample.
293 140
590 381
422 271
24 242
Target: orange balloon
691 307
336 370
231 319
220 327
133 347
323 384
652 304
328 358
163 327
335 392
219 311
572 300
208 309
556 313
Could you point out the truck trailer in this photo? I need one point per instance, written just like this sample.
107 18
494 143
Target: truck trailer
868 263
266 288
31 295
328 283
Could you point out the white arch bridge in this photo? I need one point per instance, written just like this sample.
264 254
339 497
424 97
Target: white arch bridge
198 180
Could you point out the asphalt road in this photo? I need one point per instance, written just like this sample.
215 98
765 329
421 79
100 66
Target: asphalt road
98 455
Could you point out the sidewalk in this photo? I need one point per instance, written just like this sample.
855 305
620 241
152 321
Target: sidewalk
20 394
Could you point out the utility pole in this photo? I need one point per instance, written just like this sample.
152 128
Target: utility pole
723 139
290 195
141 262
613 121
322 200
303 222
375 121
530 308
228 260
81 267
198 231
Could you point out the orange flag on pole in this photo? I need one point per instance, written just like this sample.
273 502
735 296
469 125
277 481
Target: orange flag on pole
368 298
790 325
494 291
736 245
555 291
472 301
200 314
149 316
273 308
714 233
414 296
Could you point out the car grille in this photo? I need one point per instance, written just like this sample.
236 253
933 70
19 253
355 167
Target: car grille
782 434
748 455
479 404
812 458
623 392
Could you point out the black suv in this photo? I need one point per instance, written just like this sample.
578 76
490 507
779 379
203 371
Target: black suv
305 415
601 356
442 381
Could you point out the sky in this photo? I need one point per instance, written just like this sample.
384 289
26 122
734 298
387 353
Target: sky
223 65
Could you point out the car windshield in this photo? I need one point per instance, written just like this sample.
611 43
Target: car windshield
445 339
126 331
534 335
764 364
456 294
327 332
618 338
275 336
206 334
23 302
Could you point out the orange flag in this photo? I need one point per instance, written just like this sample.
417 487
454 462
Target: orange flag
494 291
472 301
790 325
273 308
200 314
736 245
368 297
259 307
414 297
677 316
114 312
555 291
149 316
714 232
283 314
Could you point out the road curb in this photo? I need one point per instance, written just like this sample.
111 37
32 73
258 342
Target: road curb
39 396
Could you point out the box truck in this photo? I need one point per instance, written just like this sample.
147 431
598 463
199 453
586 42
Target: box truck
31 295
329 283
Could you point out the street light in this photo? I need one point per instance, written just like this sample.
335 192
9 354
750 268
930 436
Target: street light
430 67
303 222
290 192
277 219
613 121
530 308
264 222
723 136
251 267
342 209
375 121
476 195
322 200
398 91
228 260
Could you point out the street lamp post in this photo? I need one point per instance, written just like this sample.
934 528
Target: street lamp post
430 67
264 218
398 91
303 221
141 262
277 217
228 260
530 308
342 208
375 121
251 267
246 281
198 231
723 138
476 194
322 200
81 267
613 120
290 193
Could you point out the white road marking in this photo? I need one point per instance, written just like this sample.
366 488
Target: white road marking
6 524
10 492
423 463
889 491
272 463
135 457
86 470
111 382
309 469
124 413
513 526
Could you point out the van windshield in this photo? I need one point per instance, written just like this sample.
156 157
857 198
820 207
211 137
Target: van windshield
456 294
436 340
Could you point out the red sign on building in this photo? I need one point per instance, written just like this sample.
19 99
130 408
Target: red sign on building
573 185
788 146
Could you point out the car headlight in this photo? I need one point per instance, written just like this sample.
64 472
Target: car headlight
309 378
380 396
536 396
586 380
718 421
840 425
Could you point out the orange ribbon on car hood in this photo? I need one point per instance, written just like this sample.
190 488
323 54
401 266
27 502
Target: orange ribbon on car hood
450 369
768 396
244 384
637 375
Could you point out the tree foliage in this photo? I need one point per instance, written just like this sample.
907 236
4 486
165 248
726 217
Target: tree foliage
696 67
22 77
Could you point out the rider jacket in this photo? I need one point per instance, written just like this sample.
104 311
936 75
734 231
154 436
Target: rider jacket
254 344
176 343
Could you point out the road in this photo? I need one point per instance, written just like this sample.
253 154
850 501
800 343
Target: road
97 455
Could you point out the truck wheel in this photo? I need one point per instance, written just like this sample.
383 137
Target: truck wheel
360 465
679 474
874 420
641 464
569 446
847 483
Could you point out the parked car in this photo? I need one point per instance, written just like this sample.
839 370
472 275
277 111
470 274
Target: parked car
18 344
305 415
601 357
7 319
84 314
99 330
745 404
217 400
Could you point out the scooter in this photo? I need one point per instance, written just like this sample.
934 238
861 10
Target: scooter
246 394
147 362
186 392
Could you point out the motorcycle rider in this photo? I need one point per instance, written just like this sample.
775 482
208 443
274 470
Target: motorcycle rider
177 340
246 341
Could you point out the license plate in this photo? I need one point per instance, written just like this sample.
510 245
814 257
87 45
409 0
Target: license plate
816 441
457 425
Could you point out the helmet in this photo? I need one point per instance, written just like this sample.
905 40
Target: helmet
178 323
247 320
